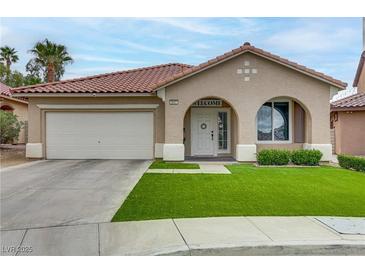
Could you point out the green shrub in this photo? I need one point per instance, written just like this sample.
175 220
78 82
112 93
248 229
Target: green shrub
273 157
306 157
9 127
351 162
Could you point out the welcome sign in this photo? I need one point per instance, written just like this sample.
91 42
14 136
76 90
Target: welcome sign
208 103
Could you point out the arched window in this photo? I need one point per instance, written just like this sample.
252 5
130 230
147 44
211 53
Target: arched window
273 122
7 108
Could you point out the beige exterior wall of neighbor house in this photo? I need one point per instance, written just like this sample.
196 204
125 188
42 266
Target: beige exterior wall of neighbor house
352 122
21 110
361 83
246 96
37 133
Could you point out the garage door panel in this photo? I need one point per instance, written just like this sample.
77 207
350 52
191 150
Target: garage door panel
99 135
91 139
98 154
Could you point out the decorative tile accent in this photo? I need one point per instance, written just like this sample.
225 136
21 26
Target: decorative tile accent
246 71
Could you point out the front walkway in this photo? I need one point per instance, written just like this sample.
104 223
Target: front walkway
197 236
212 168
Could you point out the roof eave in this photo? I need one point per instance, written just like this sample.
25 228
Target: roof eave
89 94
361 108
11 98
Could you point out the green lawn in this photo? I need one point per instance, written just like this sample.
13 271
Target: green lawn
248 191
159 164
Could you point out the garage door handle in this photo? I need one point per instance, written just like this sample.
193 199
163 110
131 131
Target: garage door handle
212 134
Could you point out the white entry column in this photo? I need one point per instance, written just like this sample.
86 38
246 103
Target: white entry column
173 152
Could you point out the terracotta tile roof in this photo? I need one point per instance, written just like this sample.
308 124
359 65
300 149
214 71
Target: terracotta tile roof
246 47
359 69
135 80
4 90
353 102
149 79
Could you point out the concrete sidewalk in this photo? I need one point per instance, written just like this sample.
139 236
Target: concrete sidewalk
196 236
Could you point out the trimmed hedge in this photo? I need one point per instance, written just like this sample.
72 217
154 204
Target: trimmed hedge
305 157
273 157
351 162
277 157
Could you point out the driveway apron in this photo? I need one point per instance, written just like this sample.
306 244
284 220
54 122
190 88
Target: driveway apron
65 192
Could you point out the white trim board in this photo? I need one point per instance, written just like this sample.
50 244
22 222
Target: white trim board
95 106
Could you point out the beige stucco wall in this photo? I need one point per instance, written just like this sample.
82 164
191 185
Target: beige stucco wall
187 132
272 80
279 146
37 116
222 81
21 110
350 133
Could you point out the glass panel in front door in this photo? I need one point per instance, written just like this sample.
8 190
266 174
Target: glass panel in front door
222 131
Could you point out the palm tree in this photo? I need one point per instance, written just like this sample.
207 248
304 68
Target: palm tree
9 56
52 57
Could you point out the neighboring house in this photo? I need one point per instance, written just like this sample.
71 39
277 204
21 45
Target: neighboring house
232 105
359 81
348 117
18 106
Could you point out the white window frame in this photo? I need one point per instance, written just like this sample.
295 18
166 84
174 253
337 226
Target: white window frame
272 122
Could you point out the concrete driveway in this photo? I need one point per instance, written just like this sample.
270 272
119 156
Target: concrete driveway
65 192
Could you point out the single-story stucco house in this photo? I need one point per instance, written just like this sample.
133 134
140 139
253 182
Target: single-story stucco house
348 117
18 106
233 105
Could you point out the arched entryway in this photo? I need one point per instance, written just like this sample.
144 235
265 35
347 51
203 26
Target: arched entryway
210 129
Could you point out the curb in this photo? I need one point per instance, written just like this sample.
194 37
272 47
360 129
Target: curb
276 250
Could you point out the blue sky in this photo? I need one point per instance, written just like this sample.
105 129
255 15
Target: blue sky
99 45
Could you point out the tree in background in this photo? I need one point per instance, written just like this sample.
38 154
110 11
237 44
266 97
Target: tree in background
52 58
34 69
8 55
14 78
10 127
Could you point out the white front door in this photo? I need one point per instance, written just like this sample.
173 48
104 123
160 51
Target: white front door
203 131
210 131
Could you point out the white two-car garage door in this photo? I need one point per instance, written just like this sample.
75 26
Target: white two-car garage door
99 135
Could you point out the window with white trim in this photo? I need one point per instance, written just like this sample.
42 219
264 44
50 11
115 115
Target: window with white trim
273 120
